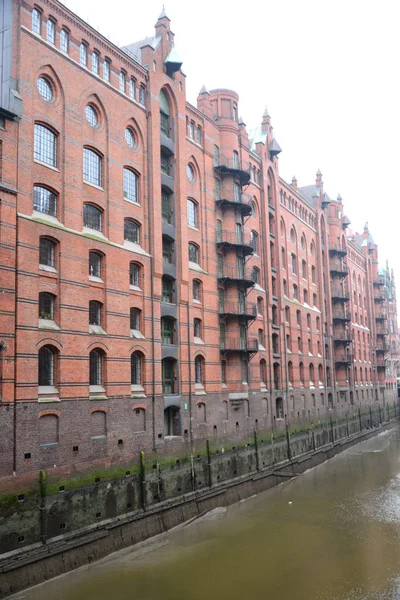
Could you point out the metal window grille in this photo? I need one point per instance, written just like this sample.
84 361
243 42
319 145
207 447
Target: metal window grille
141 95
134 272
135 319
51 31
197 327
196 290
136 374
168 251
167 331
132 88
130 185
94 312
164 123
83 54
94 264
192 213
167 290
91 115
96 360
106 70
131 231
198 370
46 306
36 21
91 167
166 207
95 63
46 252
46 366
45 89
44 201
193 253
92 217
122 82
64 41
165 163
129 138
45 145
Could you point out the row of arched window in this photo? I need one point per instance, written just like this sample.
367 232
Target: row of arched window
127 85
295 207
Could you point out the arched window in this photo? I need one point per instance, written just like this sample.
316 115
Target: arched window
274 314
254 241
260 306
95 312
165 114
36 21
96 367
95 63
312 248
47 356
193 253
45 145
305 296
64 41
290 372
255 275
287 314
294 264
91 115
292 235
106 69
92 167
48 429
139 420
279 408
169 376
303 242
131 231
320 374
134 274
263 371
245 370
168 331
142 92
192 213
92 217
311 373
277 375
122 81
168 250
51 31
95 264
47 251
197 290
131 184
308 321
135 319
199 370
197 328
275 343
45 88
83 54
46 306
301 373
44 201
136 368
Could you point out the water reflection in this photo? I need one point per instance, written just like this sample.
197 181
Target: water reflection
332 534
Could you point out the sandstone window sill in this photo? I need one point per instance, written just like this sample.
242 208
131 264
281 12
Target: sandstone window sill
95 279
47 268
48 324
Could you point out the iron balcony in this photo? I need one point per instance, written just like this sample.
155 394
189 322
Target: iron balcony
231 239
239 344
248 310
239 275
337 250
337 267
227 197
226 165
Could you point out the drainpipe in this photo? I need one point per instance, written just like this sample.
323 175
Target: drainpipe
151 248
190 377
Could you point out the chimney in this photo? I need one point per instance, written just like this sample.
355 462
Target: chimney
294 181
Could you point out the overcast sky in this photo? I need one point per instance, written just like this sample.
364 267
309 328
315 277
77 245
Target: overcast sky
328 72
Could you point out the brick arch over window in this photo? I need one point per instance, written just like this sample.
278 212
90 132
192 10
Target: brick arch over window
95 101
48 428
98 423
48 72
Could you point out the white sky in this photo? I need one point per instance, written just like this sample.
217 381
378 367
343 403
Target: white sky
328 72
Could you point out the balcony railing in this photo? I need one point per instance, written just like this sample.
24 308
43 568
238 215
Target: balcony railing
342 336
338 267
245 309
341 315
344 358
232 165
339 294
381 347
239 344
379 297
381 330
244 275
235 238
381 315
337 250
380 361
380 280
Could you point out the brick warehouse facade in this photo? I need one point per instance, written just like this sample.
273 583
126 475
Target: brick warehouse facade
160 283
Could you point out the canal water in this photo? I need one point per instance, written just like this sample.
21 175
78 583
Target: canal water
331 534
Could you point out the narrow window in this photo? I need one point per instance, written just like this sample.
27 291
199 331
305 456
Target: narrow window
46 306
83 54
168 250
197 328
132 88
193 253
36 21
196 290
166 208
92 167
216 156
130 137
122 82
46 252
192 213
191 130
64 41
45 145
141 94
198 369
94 312
95 63
134 274
106 70
168 290
46 366
130 186
135 314
198 135
94 264
51 31
136 369
96 367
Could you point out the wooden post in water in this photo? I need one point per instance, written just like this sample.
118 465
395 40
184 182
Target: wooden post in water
209 464
313 439
332 435
192 473
42 505
289 451
256 450
142 476
359 419
380 417
370 416
347 424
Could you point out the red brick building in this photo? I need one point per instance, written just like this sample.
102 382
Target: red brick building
160 282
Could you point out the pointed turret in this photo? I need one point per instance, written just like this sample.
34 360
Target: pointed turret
294 181
266 120
204 90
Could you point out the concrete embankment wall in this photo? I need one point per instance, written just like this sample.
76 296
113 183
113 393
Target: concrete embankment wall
69 524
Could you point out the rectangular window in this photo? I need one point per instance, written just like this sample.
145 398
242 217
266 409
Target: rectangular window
91 167
132 88
166 164
94 313
294 270
46 306
134 272
95 63
36 18
130 186
193 253
122 82
235 159
167 290
216 156
192 213
83 54
217 189
236 192
166 207
191 130
313 274
135 319
167 332
198 135
168 251
304 269
295 295
141 95
46 252
45 145
94 264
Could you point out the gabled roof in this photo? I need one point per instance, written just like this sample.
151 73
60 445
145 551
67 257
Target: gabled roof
135 49
257 136
309 192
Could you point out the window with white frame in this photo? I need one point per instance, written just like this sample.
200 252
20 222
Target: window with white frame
132 88
64 41
106 70
92 217
91 167
51 31
130 185
45 89
44 201
122 82
95 63
131 231
192 213
83 54
36 21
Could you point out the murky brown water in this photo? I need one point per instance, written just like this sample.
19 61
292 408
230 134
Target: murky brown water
331 534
